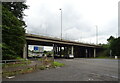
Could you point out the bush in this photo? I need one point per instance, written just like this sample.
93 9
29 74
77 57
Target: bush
42 67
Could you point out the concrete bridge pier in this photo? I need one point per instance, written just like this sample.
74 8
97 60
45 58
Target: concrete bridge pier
72 50
94 52
78 52
65 51
86 51
25 51
60 51
54 49
89 53
57 50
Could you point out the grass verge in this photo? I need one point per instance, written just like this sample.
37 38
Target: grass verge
29 69
23 71
57 64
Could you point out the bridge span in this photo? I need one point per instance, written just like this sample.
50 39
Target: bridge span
62 47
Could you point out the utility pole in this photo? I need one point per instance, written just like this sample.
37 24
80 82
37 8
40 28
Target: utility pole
61 23
116 35
96 34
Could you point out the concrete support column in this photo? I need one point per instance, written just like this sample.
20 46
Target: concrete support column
56 50
94 52
25 49
89 55
72 49
53 49
64 50
60 51
69 50
86 51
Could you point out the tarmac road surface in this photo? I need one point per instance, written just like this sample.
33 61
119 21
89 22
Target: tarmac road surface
78 69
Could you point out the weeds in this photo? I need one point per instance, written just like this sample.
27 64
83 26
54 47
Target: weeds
57 64
26 68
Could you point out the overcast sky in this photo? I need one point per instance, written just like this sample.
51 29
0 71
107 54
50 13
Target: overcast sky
80 18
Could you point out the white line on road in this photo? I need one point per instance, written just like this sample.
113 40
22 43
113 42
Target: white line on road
105 75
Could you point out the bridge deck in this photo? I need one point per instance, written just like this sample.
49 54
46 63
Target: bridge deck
37 38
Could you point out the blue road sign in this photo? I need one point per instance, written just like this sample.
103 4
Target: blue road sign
35 48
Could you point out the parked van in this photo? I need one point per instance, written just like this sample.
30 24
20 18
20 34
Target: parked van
69 56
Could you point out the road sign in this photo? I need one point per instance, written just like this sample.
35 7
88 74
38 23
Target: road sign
36 48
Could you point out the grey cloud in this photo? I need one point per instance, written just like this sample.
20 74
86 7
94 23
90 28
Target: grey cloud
44 20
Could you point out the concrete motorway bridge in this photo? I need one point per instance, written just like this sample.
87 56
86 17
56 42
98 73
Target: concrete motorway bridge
62 47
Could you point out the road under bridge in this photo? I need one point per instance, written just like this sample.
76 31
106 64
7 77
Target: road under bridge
62 47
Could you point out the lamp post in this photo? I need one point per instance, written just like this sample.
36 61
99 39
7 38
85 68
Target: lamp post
96 34
61 22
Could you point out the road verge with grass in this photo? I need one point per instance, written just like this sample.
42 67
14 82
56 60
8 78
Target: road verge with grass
11 69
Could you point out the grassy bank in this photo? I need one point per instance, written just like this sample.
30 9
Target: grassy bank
26 69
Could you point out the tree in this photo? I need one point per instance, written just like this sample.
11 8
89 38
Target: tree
110 41
115 47
13 29
111 38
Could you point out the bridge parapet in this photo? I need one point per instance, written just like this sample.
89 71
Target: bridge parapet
57 40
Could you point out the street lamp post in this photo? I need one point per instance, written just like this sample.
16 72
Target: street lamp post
96 34
61 23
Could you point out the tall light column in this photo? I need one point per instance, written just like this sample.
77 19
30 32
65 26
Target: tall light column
96 34
61 23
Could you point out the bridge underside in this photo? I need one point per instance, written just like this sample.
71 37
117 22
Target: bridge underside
63 49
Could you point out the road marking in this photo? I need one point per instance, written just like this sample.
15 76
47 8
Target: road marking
105 75
111 76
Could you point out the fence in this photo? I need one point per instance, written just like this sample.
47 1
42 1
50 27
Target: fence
12 67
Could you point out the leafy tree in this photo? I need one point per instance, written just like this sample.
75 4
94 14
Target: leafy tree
115 47
13 29
110 39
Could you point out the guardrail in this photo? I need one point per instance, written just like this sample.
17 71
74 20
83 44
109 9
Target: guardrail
23 67
7 61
